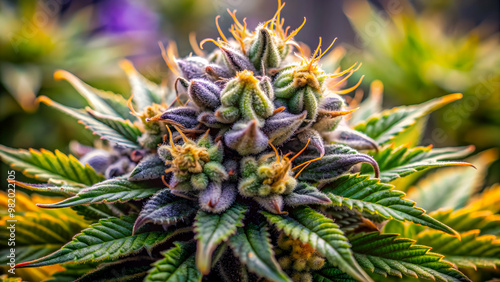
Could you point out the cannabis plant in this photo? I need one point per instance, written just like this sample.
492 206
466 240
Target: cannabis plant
245 169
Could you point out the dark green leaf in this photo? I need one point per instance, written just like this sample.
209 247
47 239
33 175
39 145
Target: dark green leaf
329 273
107 240
322 234
212 229
178 265
129 269
108 191
151 167
251 244
402 161
387 255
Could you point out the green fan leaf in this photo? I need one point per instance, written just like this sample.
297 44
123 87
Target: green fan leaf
388 255
385 126
322 234
129 269
165 208
108 191
105 102
116 130
395 162
40 233
452 187
53 189
212 229
178 265
145 92
56 168
369 195
467 219
329 273
71 272
251 244
105 241
472 251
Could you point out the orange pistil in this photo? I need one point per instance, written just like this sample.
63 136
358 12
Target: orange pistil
186 158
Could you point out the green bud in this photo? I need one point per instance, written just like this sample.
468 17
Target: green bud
244 98
264 52
199 181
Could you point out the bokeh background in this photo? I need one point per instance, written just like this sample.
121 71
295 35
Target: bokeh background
418 49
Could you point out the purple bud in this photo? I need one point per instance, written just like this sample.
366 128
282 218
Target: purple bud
204 93
184 116
192 67
236 60
306 195
246 138
281 126
217 72
118 168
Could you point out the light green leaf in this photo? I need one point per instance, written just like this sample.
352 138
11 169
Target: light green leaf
452 187
105 102
178 265
472 251
322 234
108 191
44 165
119 131
385 126
395 162
251 244
107 240
467 219
145 92
369 195
212 229
388 255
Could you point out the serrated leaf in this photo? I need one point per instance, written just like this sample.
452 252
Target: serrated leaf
124 127
466 219
108 191
329 273
105 241
118 131
251 244
472 251
322 234
53 189
71 272
165 208
55 167
38 232
178 265
338 159
105 102
129 269
388 255
151 167
369 195
385 126
145 92
452 187
395 162
212 229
